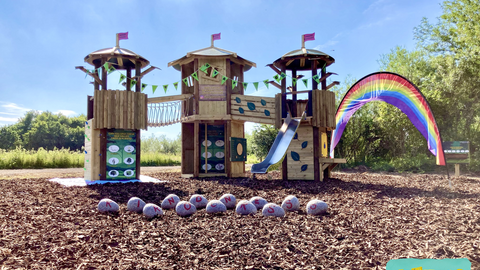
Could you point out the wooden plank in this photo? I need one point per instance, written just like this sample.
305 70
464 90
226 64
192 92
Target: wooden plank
196 87
258 109
301 176
124 108
134 110
253 98
228 71
254 119
118 111
212 107
138 152
145 109
316 153
169 98
228 133
95 107
196 153
253 114
103 154
333 160
278 115
96 154
105 108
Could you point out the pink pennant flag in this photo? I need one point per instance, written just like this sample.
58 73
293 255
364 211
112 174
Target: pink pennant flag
308 37
216 36
122 36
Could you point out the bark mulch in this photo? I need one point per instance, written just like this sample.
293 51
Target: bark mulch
372 219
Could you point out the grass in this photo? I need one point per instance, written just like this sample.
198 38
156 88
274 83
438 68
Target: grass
64 158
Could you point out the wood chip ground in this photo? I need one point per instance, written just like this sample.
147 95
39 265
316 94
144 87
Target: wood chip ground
372 219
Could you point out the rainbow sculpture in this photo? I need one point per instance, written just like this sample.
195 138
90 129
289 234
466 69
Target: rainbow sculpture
397 91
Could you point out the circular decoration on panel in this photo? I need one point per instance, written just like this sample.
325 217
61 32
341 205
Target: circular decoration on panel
219 143
128 173
113 148
209 155
129 160
209 167
129 149
220 155
208 143
239 149
219 167
113 173
113 161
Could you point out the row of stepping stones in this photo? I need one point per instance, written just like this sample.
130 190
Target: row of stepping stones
227 201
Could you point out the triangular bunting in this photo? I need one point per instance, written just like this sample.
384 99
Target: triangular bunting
165 88
277 78
110 70
245 84
143 86
122 78
154 87
195 76
283 75
207 65
316 78
255 84
324 66
105 65
224 79
214 73
204 68
132 83
265 82
305 81
185 81
234 84
175 84
294 81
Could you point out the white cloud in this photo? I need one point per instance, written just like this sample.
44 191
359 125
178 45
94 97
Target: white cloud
13 110
66 112
8 119
329 43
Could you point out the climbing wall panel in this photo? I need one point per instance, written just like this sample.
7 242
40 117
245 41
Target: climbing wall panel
300 155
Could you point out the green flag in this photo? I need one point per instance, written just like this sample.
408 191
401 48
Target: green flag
143 86
315 77
165 88
176 85
122 78
224 79
204 68
105 65
305 81
154 87
185 81
234 84
255 84
324 67
283 75
110 70
214 73
294 81
266 82
132 83
277 78
195 76
207 65
245 86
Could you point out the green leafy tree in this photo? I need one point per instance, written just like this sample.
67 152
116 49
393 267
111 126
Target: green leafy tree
262 139
9 138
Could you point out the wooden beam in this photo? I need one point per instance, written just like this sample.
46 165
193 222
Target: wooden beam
196 149
138 85
150 69
169 98
228 71
332 84
328 74
93 75
275 69
196 88
275 84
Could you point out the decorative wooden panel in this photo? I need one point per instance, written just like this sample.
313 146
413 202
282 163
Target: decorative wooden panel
300 155
120 109
255 109
324 108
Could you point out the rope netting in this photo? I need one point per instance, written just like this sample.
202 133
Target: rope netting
167 113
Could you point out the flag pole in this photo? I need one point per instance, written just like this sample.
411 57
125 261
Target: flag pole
212 40
303 41
118 46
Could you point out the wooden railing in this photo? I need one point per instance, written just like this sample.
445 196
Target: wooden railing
164 111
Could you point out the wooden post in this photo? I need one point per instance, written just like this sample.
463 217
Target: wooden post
96 85
228 134
284 90
129 80
241 79
137 156
206 148
89 107
104 77
138 71
196 90
317 167
314 72
103 154
294 96
196 151
457 170
228 70
324 82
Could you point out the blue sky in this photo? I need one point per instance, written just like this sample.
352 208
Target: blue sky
41 42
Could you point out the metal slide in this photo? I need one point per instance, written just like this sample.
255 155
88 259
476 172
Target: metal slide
280 145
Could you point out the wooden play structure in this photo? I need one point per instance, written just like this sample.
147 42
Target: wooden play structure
212 113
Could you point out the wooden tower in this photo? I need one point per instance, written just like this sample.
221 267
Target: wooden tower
115 117
307 155
209 131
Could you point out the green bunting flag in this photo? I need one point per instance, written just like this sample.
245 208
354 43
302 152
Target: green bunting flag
315 77
122 78
245 86
154 87
105 65
283 75
176 85
143 86
132 83
256 86
234 84
110 70
165 88
224 79
185 81
204 68
207 65
277 78
294 81
324 66
266 82
305 81
214 73
195 76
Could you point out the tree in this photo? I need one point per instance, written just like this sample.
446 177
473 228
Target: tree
262 138
9 138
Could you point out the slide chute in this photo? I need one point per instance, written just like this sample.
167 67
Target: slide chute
397 91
